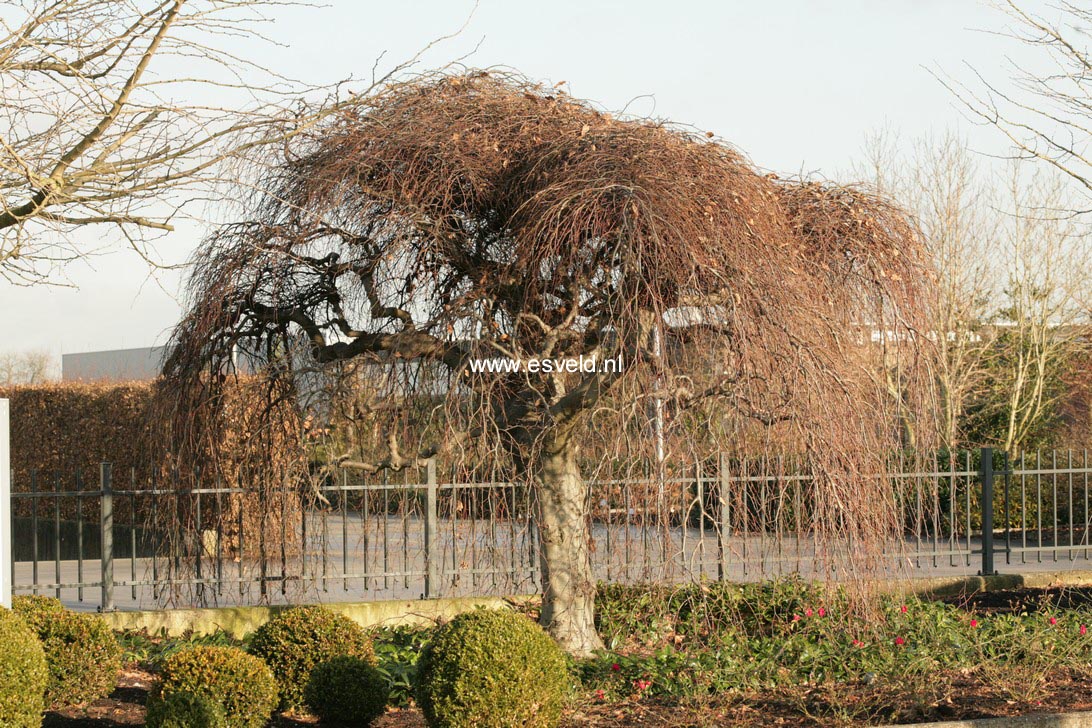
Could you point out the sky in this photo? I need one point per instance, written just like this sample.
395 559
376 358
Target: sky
797 85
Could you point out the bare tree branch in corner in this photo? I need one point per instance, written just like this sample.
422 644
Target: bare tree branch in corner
1046 115
126 115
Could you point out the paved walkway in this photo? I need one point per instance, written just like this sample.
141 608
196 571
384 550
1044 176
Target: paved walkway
348 562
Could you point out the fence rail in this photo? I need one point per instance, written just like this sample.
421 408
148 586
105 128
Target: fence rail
111 544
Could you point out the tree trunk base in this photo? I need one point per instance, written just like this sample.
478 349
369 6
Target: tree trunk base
568 599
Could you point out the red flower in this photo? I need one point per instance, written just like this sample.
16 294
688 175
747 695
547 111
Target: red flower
807 612
900 641
974 623
1054 620
822 612
858 643
1084 630
600 695
796 617
615 667
903 609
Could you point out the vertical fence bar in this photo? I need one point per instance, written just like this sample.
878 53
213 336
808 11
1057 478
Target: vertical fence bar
156 528
1054 500
1039 506
79 535
34 527
219 535
953 518
1023 514
725 519
106 524
967 498
343 501
1084 474
985 470
7 550
57 532
199 536
132 531
1069 477
1008 518
431 527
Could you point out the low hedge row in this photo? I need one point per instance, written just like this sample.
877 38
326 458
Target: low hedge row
487 668
484 668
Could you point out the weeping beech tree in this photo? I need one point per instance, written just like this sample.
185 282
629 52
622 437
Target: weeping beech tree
452 219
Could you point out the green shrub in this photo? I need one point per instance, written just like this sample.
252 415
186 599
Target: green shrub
491 668
23 673
396 653
347 691
185 710
83 654
241 685
297 639
35 608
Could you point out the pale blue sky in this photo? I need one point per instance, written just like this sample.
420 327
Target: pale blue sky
795 84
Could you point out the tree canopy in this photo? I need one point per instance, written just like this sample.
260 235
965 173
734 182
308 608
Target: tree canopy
450 218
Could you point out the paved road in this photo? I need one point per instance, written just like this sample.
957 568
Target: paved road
385 558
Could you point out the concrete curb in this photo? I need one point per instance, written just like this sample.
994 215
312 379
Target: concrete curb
241 621
1039 720
941 586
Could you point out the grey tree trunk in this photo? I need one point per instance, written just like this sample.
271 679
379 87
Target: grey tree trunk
568 599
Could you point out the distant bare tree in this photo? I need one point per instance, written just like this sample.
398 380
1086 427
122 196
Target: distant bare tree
1043 320
128 114
94 128
954 208
27 367
1046 114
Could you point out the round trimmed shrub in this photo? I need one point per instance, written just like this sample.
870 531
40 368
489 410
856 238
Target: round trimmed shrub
184 710
240 685
297 639
23 673
83 654
346 691
34 608
493 669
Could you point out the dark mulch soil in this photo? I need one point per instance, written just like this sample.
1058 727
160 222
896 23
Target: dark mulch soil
125 706
967 697
958 696
1015 601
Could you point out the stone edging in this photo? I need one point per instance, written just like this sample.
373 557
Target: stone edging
1039 720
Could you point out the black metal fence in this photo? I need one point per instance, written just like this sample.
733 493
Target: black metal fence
107 544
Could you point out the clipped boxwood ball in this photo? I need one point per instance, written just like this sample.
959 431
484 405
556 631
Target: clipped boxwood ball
240 685
297 639
492 669
184 710
346 691
83 654
23 673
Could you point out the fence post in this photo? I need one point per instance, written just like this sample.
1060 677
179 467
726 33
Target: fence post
985 471
724 520
431 527
106 525
6 530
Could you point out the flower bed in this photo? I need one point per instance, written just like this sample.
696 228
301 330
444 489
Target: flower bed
786 652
